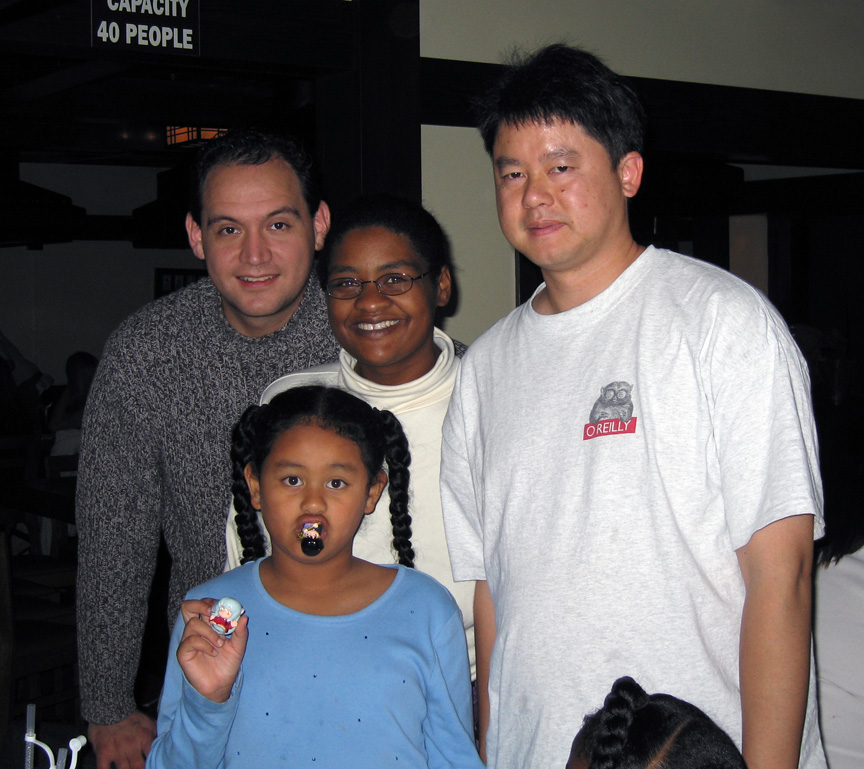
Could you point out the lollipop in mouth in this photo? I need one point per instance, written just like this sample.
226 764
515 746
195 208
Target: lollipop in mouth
310 538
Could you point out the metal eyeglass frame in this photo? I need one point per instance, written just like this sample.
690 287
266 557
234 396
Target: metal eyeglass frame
385 289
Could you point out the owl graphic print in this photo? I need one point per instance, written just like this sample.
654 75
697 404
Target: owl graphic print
612 413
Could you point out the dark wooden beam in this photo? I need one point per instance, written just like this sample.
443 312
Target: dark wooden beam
368 119
448 87
15 10
724 123
828 195
59 81
748 125
389 59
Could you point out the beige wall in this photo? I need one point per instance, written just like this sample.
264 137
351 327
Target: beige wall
457 188
805 46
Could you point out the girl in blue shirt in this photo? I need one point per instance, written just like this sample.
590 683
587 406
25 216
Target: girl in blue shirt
337 662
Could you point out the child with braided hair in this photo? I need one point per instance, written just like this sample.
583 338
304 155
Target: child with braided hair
336 661
635 730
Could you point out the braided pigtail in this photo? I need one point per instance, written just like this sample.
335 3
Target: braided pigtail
246 517
398 459
634 729
616 718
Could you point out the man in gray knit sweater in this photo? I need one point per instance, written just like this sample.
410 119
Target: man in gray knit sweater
174 378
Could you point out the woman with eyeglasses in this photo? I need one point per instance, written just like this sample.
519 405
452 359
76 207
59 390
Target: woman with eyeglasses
385 269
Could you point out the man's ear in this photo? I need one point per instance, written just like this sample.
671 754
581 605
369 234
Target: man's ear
321 224
193 230
445 286
630 173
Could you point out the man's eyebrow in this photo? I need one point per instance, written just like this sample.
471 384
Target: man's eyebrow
560 152
219 218
553 154
504 162
290 211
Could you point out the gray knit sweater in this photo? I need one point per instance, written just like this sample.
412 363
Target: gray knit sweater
155 455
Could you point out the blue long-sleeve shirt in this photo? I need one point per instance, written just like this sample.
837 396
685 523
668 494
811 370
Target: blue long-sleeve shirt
385 686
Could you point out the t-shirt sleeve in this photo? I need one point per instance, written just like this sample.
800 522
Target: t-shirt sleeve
459 497
764 427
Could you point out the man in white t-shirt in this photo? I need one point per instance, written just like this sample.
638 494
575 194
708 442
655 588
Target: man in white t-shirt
629 463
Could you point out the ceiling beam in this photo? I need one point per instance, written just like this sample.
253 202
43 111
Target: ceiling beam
61 80
725 123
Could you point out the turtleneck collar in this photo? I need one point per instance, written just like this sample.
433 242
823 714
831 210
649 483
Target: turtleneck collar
435 384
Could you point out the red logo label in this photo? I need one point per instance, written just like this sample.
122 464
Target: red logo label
608 427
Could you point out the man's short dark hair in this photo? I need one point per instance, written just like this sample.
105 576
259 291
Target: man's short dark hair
251 147
560 82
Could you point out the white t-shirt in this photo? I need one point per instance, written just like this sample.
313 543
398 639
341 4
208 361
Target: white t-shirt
420 406
600 467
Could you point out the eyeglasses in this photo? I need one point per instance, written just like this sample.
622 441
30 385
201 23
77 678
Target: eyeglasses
392 284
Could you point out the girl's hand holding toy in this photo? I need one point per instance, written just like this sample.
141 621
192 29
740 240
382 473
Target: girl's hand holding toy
209 659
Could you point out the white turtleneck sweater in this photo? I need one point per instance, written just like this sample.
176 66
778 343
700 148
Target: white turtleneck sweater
420 406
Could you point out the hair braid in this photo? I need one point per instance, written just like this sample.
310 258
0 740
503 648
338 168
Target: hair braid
637 730
625 698
246 518
398 459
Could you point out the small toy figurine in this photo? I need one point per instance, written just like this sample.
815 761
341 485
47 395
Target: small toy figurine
224 616
310 538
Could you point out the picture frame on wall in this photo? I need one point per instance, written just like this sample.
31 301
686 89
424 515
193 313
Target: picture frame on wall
168 279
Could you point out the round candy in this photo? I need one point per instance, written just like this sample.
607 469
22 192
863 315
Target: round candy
310 538
311 546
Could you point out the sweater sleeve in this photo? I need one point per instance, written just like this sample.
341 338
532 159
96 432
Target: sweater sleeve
448 727
118 505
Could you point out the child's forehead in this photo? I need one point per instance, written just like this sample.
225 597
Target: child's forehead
311 430
309 443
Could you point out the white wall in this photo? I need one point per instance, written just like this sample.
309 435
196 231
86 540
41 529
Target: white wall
805 46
